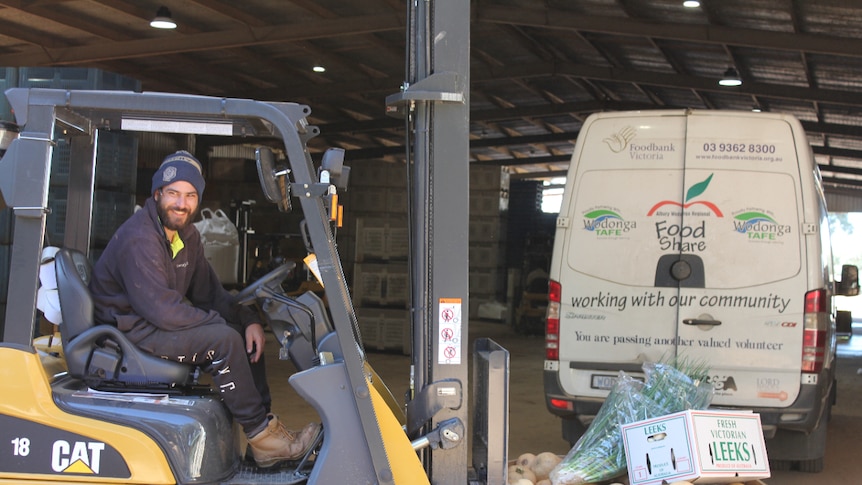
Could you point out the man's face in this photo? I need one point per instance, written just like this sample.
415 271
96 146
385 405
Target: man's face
177 204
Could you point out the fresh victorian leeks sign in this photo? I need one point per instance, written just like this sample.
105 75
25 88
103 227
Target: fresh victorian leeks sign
698 446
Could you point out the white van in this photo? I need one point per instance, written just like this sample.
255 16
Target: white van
700 234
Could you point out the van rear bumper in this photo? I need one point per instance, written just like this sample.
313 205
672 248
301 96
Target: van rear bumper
574 406
803 415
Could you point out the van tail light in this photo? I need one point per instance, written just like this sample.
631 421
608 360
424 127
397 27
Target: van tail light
815 331
552 325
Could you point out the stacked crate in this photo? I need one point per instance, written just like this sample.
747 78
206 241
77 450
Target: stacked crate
116 156
8 79
376 235
59 78
74 78
489 187
375 232
114 200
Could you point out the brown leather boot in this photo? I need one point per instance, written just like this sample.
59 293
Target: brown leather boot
276 443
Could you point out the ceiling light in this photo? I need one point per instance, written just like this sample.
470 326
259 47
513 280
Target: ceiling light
318 68
691 3
163 19
730 78
756 109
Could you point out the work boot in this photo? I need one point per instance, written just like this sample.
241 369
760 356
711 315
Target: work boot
277 443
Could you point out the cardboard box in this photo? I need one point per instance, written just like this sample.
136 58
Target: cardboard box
698 446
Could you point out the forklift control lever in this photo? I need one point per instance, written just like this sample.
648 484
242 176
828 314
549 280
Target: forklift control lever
447 435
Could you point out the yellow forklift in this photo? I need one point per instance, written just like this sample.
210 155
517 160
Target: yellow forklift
90 407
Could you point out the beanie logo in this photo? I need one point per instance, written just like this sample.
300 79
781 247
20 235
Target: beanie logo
169 174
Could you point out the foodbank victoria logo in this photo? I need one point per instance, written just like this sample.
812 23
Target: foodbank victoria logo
693 203
759 225
607 222
618 141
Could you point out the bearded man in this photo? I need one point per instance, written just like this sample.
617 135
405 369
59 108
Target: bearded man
155 284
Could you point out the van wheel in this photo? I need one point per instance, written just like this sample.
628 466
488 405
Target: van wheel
844 322
795 450
811 466
573 429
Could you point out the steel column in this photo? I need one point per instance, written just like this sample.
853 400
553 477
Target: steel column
437 90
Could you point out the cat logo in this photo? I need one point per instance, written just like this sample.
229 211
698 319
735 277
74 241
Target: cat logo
78 457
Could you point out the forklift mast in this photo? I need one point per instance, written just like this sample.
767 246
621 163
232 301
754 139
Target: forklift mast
434 102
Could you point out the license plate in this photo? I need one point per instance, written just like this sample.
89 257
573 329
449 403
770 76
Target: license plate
606 382
603 381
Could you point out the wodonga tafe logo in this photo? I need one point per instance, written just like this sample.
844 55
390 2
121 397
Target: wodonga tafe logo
759 225
607 223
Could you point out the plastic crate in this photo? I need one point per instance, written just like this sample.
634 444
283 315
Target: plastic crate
55 221
486 255
74 78
372 200
397 289
398 242
110 210
370 240
381 284
381 239
485 281
116 160
487 203
486 229
385 328
369 284
488 178
396 200
61 162
8 79
378 174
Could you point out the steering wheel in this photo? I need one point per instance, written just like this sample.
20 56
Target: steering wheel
276 276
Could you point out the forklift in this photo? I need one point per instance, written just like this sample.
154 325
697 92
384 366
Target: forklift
89 407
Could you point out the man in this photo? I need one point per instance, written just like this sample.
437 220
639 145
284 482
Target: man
154 282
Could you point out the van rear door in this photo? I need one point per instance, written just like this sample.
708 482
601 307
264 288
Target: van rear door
613 315
742 215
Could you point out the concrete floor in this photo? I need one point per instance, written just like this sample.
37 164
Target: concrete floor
533 429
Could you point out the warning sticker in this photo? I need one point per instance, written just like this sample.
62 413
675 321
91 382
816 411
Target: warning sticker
449 323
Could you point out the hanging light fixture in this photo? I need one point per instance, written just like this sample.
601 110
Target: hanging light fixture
163 19
730 78
691 4
318 68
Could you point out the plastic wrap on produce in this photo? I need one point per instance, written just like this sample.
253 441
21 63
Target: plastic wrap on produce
599 454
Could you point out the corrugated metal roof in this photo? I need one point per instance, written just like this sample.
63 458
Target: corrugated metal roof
538 68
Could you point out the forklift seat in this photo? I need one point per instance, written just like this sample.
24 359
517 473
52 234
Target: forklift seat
101 355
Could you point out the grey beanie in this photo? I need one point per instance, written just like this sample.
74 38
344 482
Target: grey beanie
181 165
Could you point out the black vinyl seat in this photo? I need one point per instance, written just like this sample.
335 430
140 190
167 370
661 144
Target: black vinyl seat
101 355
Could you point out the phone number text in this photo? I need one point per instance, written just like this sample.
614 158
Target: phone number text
739 147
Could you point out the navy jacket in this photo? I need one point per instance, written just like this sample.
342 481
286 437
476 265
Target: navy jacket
138 287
